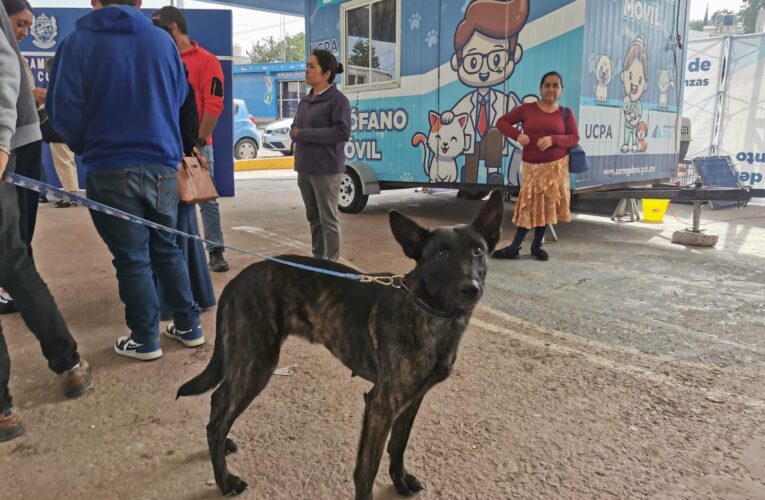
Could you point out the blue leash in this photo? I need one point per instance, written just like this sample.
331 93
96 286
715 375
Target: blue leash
43 188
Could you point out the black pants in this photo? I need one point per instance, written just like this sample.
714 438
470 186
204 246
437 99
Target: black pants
28 164
38 309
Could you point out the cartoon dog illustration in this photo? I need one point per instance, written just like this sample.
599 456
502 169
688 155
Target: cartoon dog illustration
443 144
665 82
604 71
642 133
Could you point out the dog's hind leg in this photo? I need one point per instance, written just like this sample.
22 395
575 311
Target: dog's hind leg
406 484
378 418
229 400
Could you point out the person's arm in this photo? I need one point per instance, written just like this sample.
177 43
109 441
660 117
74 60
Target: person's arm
296 120
10 80
338 131
189 122
506 124
66 97
212 98
571 137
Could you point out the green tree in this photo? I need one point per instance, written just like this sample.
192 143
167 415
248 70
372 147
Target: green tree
697 25
267 50
360 55
749 14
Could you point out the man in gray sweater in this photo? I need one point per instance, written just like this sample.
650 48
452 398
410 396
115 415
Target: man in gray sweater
19 125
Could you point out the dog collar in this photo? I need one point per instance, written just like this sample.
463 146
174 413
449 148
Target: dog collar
421 304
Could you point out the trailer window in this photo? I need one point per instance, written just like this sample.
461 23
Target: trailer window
371 43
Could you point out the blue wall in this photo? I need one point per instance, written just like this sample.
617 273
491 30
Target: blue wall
258 86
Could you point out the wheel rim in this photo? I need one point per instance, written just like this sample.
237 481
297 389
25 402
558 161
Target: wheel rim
246 150
347 191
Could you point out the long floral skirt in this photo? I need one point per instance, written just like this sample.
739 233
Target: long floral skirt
545 195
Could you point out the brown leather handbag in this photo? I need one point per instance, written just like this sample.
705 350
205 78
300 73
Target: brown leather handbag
195 184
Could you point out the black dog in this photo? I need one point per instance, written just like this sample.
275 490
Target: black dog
402 340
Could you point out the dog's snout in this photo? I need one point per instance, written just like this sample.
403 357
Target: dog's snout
470 289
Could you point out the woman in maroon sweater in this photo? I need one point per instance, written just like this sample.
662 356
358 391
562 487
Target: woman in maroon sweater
545 190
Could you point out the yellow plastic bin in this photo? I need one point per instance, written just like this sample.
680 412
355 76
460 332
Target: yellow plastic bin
654 210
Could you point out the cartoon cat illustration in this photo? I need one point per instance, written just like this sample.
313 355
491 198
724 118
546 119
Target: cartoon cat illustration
665 82
440 148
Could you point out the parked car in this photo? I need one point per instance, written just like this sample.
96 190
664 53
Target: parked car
276 136
246 135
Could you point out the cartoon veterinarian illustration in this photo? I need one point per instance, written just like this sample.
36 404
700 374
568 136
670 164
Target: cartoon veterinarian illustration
486 52
635 79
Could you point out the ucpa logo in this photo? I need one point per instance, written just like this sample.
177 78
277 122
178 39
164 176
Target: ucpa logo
44 31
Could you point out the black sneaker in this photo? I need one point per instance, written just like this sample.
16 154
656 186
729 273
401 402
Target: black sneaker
7 304
125 346
506 253
217 263
539 253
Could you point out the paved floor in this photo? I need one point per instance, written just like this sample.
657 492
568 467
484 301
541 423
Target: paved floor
625 366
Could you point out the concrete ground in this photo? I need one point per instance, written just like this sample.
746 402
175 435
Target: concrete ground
625 366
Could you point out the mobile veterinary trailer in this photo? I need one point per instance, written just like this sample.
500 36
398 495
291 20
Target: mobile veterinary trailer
428 79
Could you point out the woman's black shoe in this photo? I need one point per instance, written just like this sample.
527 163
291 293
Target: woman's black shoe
539 253
506 253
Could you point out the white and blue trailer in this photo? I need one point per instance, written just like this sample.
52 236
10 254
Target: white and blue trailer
427 80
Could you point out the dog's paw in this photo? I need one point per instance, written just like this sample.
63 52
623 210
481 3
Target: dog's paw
232 485
231 446
407 484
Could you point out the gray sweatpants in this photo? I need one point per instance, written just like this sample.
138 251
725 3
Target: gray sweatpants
320 193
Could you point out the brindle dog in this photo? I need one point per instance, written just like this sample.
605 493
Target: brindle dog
402 340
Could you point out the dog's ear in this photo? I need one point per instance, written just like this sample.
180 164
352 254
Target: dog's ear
409 234
489 219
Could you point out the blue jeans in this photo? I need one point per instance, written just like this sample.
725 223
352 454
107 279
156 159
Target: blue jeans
149 191
210 209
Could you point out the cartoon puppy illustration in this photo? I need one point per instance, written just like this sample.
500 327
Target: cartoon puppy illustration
604 71
665 82
642 133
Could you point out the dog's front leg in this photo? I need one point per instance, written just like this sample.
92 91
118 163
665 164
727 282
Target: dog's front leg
406 484
378 418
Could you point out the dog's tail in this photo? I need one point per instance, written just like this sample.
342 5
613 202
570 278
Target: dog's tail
212 375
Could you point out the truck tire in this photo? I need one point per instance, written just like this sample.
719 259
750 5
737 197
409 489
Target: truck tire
352 199
472 195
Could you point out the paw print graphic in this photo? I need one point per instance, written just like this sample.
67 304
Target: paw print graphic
414 21
432 38
407 177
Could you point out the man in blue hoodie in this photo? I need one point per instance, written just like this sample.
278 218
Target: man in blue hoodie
115 91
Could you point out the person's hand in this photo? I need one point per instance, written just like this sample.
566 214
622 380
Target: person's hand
3 163
40 94
544 143
523 140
